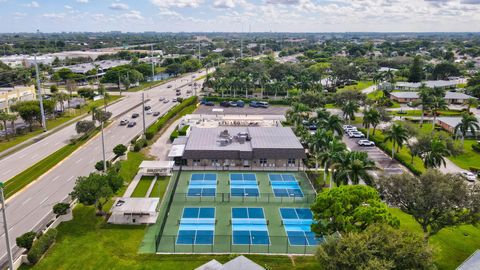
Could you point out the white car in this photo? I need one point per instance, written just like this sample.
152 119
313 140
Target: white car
469 176
149 112
355 134
166 100
365 143
345 127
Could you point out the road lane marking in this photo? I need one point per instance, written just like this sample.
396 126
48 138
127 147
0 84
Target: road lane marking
44 200
55 178
70 179
6 172
78 161
26 201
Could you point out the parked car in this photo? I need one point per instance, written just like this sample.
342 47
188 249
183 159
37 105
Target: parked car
124 122
156 113
348 130
345 127
178 93
169 86
135 115
225 104
232 103
209 103
161 99
365 143
469 176
259 104
355 134
132 124
166 100
149 112
312 127
240 103
147 108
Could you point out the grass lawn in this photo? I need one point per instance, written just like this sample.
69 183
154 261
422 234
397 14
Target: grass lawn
359 86
469 158
451 246
330 106
142 187
159 187
375 95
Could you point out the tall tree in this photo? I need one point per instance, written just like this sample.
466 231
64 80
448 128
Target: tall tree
349 109
397 135
371 117
425 99
330 154
434 157
349 209
469 123
378 247
435 200
5 118
416 73
353 167
438 103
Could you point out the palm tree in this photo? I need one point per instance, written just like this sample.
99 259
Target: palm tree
398 135
334 123
353 167
438 103
6 117
349 109
330 155
468 123
371 117
435 156
425 95
471 102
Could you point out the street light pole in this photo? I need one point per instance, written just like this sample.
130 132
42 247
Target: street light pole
40 98
103 151
7 239
143 111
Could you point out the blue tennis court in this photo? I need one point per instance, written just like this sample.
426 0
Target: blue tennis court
244 185
197 226
296 222
249 226
202 184
285 185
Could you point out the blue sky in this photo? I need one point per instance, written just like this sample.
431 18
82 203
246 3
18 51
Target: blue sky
239 15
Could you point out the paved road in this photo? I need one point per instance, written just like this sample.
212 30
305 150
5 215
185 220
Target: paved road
271 110
388 166
31 208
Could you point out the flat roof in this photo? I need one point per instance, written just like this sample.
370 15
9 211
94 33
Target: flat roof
156 164
135 205
448 95
430 84
176 151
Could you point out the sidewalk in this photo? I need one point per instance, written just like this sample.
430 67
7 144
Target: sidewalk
162 146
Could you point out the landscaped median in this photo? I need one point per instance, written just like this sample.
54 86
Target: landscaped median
31 174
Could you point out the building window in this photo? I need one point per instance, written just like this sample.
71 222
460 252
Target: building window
196 160
291 161
263 162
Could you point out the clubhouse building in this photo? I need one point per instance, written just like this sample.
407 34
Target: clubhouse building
243 148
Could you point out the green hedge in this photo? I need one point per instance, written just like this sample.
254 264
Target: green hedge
183 131
174 135
41 245
476 147
160 123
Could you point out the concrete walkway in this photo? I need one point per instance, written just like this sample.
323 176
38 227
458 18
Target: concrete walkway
131 187
369 89
450 167
151 187
162 146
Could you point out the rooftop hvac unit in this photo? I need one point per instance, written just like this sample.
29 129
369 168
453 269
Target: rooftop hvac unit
224 142
224 134
241 140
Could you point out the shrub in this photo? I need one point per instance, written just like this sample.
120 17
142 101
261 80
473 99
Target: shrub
149 134
134 140
139 145
61 208
174 135
183 131
26 240
119 150
99 165
41 246
476 147
474 169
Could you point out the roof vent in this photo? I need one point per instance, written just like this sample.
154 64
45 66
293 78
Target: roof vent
224 134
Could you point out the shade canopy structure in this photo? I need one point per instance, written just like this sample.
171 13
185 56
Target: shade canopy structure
128 210
156 167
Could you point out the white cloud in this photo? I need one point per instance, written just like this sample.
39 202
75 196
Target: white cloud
33 4
67 7
177 3
82 1
119 6
54 15
132 15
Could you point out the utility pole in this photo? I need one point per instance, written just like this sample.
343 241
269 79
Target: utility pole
153 67
40 98
143 111
198 49
5 227
103 150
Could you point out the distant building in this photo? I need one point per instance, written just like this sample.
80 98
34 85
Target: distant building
409 86
101 66
11 95
243 147
449 124
450 97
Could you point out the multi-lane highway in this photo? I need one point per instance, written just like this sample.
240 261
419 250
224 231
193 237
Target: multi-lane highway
30 208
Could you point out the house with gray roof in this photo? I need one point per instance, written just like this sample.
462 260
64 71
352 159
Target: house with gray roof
239 263
242 148
442 84
450 97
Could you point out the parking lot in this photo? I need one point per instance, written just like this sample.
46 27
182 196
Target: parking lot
271 110
388 166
